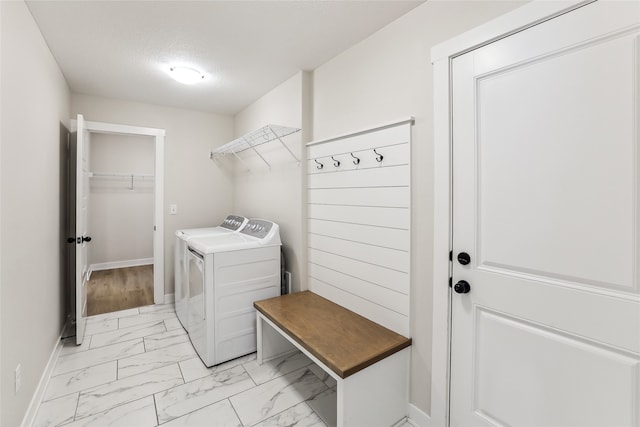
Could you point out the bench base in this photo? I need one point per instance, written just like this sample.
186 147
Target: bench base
375 396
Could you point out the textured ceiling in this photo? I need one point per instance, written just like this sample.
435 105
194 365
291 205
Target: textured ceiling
121 49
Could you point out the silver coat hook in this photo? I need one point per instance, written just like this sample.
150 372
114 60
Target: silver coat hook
379 156
320 165
356 160
336 163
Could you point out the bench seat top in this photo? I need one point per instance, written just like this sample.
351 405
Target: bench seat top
341 339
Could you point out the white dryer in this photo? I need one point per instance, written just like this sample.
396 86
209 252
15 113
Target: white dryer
231 224
226 275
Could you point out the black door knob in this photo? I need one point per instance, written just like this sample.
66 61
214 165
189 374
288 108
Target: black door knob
86 238
462 287
71 239
464 258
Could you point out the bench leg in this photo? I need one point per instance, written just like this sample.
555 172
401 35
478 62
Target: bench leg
270 343
377 395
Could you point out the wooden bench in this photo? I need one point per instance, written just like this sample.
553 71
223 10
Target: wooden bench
369 362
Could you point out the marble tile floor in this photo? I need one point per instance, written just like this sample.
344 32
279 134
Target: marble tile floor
137 368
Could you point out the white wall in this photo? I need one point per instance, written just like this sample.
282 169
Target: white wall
386 77
201 190
279 193
121 214
35 100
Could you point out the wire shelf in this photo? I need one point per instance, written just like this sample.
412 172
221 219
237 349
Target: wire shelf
253 139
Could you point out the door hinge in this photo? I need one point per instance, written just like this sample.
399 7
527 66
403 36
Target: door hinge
450 255
450 281
154 228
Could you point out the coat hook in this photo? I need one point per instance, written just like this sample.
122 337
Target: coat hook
336 163
356 160
320 165
379 156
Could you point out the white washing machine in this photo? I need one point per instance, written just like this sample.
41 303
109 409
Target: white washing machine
226 275
231 224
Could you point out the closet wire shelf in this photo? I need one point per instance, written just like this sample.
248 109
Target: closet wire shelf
127 176
253 139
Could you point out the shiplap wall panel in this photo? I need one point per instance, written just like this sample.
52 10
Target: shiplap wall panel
391 279
377 216
395 197
392 176
359 222
390 258
361 305
361 142
393 238
394 301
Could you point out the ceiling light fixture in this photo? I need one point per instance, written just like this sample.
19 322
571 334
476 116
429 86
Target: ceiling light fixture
186 75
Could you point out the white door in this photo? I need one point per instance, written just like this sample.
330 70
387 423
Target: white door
546 197
82 239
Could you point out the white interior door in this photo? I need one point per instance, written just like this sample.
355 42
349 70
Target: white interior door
82 238
545 204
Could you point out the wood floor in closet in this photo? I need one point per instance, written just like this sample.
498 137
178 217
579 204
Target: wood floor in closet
119 289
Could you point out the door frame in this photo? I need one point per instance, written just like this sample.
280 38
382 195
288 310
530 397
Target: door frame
158 214
442 55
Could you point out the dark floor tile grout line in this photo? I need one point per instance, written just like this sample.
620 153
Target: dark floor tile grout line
235 411
155 406
184 381
128 401
255 384
75 412
111 408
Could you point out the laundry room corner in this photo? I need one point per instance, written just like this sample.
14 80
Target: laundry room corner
276 187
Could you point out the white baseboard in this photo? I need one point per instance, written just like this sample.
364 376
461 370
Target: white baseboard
169 298
417 417
34 405
120 264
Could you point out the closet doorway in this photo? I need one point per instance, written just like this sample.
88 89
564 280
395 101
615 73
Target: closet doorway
119 217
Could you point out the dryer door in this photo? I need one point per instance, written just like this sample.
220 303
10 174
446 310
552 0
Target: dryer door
196 287
181 281
196 307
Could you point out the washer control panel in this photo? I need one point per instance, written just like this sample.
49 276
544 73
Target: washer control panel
257 228
233 222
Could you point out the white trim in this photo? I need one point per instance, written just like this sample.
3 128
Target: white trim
360 132
417 417
441 56
158 228
120 264
503 26
36 399
169 298
98 127
441 247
